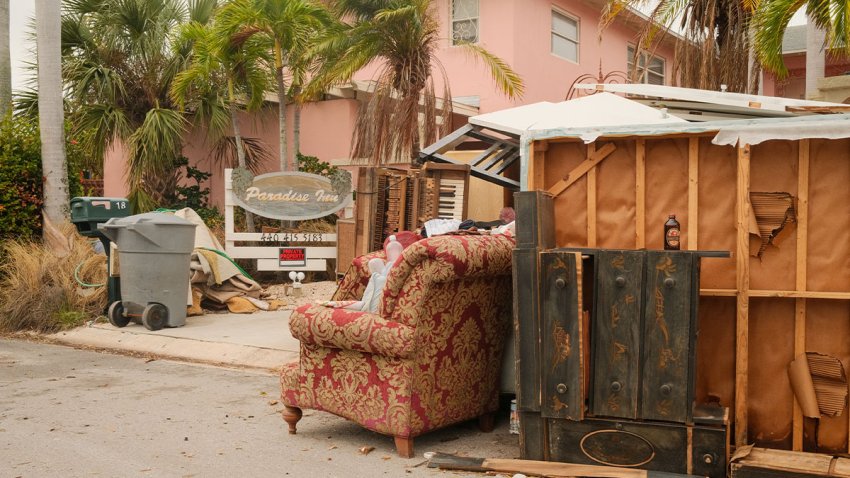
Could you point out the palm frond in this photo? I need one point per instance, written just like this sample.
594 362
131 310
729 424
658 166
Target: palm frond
507 80
257 153
771 21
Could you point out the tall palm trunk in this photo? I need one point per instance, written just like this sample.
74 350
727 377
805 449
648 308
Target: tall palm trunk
281 105
51 117
240 148
296 126
240 160
5 60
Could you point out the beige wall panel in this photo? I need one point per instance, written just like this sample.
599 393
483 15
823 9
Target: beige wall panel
769 401
828 332
615 203
716 350
666 187
570 205
717 180
829 216
773 166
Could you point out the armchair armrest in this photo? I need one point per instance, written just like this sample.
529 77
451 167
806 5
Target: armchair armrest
351 330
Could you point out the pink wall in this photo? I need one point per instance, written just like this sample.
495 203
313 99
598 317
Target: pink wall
794 85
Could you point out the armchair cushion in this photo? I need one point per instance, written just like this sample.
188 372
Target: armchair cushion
351 330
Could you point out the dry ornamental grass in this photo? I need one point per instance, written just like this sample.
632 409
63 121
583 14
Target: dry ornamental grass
38 290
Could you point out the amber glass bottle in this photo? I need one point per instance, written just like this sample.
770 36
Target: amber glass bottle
672 234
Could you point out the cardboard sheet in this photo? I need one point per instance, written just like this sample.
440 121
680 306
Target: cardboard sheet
771 213
819 383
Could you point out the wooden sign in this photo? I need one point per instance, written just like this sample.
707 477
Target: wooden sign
291 196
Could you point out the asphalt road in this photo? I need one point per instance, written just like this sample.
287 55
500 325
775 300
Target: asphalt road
76 413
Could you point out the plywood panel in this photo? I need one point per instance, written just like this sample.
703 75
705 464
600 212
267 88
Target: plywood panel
717 169
769 398
570 205
615 198
829 219
828 332
666 187
773 166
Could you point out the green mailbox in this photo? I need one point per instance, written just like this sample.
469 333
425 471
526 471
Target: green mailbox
86 214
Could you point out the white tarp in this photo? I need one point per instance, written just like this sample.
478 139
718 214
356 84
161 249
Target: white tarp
741 100
598 110
834 126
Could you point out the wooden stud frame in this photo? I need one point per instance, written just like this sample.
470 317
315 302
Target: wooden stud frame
742 275
802 253
591 192
742 292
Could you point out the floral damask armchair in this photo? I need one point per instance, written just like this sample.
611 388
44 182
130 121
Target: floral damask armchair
429 358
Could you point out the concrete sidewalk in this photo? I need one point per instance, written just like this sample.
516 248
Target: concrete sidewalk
256 341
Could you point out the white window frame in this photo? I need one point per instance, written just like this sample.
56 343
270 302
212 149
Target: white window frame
643 70
477 20
552 33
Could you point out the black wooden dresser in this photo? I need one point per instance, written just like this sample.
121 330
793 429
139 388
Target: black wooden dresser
606 361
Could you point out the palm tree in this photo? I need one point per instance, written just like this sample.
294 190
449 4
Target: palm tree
773 16
218 74
120 58
714 47
5 60
403 37
51 116
286 28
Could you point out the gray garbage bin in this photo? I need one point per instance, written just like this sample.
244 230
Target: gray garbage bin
153 251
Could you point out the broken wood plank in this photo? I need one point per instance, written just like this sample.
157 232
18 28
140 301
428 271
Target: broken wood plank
640 194
801 280
693 193
580 170
742 282
445 461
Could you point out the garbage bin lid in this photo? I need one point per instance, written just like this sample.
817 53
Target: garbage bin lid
151 218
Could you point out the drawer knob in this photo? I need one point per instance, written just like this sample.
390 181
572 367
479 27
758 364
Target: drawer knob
669 282
708 458
560 283
561 388
666 389
621 281
616 386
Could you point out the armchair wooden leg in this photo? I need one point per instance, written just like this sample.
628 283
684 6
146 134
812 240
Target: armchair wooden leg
487 422
404 446
291 415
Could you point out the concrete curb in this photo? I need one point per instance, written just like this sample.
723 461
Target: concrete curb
217 353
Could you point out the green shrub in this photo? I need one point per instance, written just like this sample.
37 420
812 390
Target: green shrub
194 195
21 178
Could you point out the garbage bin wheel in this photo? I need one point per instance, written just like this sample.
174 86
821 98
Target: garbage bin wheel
116 315
155 316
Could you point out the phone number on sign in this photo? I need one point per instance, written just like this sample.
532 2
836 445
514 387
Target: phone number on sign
291 237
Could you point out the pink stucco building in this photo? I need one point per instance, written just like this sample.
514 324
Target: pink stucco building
794 85
549 43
